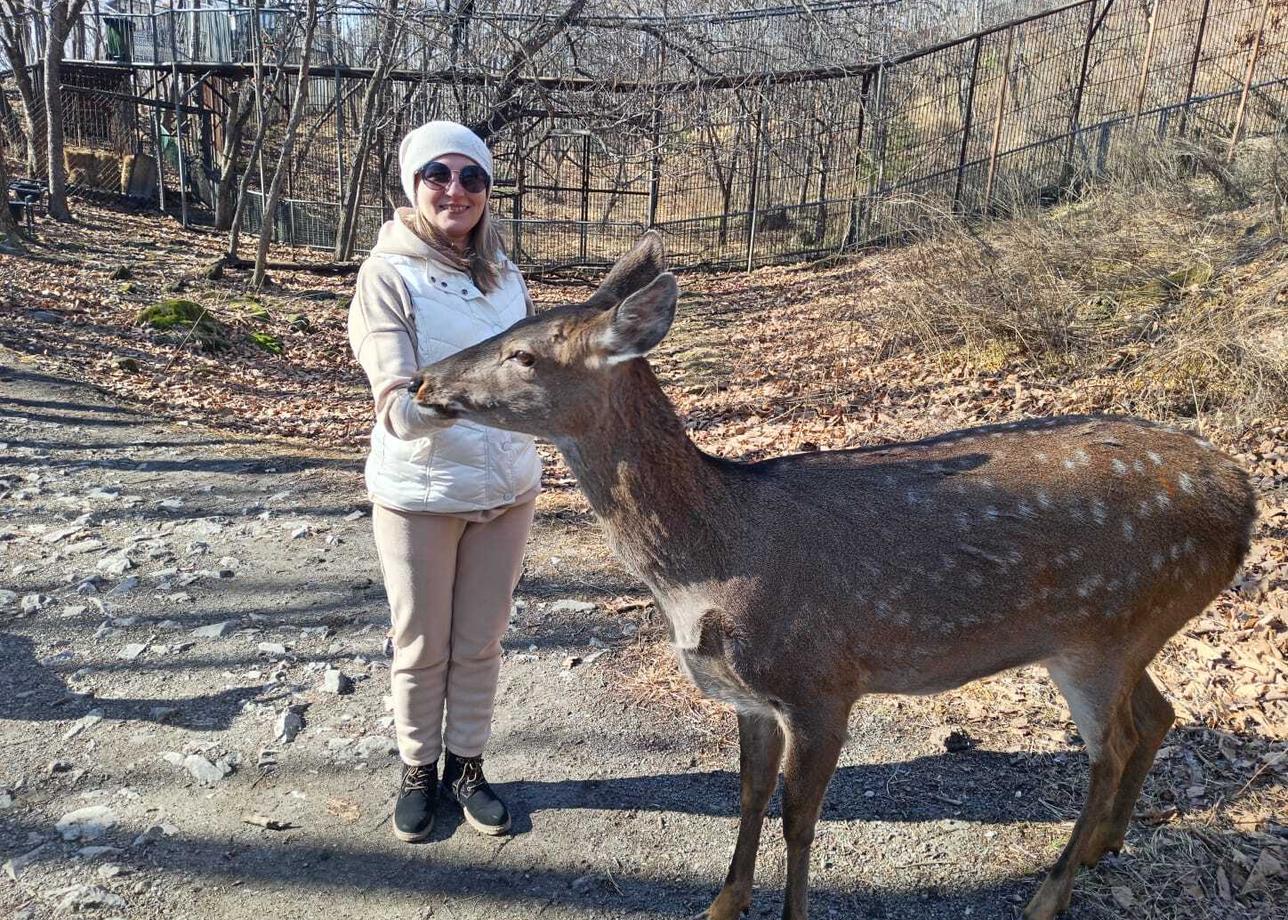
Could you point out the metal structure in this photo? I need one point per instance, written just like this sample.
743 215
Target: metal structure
738 167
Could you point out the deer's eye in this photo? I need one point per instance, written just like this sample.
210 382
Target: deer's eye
526 358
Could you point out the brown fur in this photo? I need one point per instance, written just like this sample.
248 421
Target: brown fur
796 585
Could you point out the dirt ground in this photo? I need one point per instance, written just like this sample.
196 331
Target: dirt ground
126 529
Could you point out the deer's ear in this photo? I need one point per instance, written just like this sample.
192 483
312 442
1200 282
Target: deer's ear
631 272
640 321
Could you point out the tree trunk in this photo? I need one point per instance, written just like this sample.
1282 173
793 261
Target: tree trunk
351 195
31 92
261 129
288 142
61 17
10 232
238 113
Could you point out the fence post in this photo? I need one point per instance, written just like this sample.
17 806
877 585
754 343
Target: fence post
1144 65
1247 80
1194 68
1075 116
853 231
997 120
516 203
877 173
966 125
339 139
655 167
753 198
156 111
178 122
585 194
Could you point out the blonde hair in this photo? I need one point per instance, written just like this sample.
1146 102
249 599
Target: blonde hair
483 260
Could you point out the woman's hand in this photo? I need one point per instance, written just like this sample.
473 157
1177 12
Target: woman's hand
408 419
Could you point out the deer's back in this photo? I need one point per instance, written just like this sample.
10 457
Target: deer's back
1016 542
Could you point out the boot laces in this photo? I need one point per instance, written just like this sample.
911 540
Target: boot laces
418 778
471 778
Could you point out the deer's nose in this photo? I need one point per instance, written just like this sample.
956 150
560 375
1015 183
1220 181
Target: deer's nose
415 384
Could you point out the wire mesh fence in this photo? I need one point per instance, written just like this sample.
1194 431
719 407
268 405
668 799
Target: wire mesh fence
737 165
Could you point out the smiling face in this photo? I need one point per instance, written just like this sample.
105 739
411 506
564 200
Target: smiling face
451 210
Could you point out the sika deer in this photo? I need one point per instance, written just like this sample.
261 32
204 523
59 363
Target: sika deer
795 585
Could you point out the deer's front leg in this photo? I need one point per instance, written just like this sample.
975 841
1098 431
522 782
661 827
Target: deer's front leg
814 740
760 750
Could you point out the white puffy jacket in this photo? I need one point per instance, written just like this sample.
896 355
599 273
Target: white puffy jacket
410 309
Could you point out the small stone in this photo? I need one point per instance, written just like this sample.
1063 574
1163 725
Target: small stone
571 662
95 852
114 565
132 651
337 682
89 585
58 766
7 598
373 747
7 799
571 606
88 823
289 724
90 897
81 547
300 532
204 771
13 867
124 586
355 515
34 603
111 870
88 721
45 316
230 563
216 630
56 536
104 495
272 648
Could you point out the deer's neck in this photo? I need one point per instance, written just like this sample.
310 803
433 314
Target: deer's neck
661 499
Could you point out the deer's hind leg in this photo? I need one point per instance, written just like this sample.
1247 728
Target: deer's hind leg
1099 697
760 751
1153 716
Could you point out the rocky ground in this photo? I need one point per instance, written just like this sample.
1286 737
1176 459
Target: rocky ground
192 687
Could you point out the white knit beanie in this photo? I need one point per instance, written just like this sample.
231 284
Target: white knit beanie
431 141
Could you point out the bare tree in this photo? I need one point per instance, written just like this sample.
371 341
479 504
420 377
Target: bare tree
61 15
288 142
14 15
509 101
10 232
240 105
372 101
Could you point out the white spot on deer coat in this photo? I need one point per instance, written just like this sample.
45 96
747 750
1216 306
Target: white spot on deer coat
1129 530
1186 484
1119 467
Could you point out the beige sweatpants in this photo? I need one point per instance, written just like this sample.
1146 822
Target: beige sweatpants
449 583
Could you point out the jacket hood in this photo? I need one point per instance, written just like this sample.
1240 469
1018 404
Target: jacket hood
397 239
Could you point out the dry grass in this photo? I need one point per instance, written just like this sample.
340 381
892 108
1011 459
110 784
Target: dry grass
1178 284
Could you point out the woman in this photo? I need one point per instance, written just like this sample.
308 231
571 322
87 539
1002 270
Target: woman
453 503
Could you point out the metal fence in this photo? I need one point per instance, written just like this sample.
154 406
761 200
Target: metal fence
749 168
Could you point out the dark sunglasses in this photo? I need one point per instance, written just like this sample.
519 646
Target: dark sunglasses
473 178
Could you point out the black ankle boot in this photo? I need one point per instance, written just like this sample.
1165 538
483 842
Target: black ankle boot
467 786
417 796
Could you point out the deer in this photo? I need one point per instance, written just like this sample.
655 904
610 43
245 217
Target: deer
793 586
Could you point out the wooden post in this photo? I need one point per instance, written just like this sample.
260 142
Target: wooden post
178 121
156 111
1247 79
655 167
852 232
753 197
1144 64
585 194
997 119
339 140
876 175
966 125
1194 67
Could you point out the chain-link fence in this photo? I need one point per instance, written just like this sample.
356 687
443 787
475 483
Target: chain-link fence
736 166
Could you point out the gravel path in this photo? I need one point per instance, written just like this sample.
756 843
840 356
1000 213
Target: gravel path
178 594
